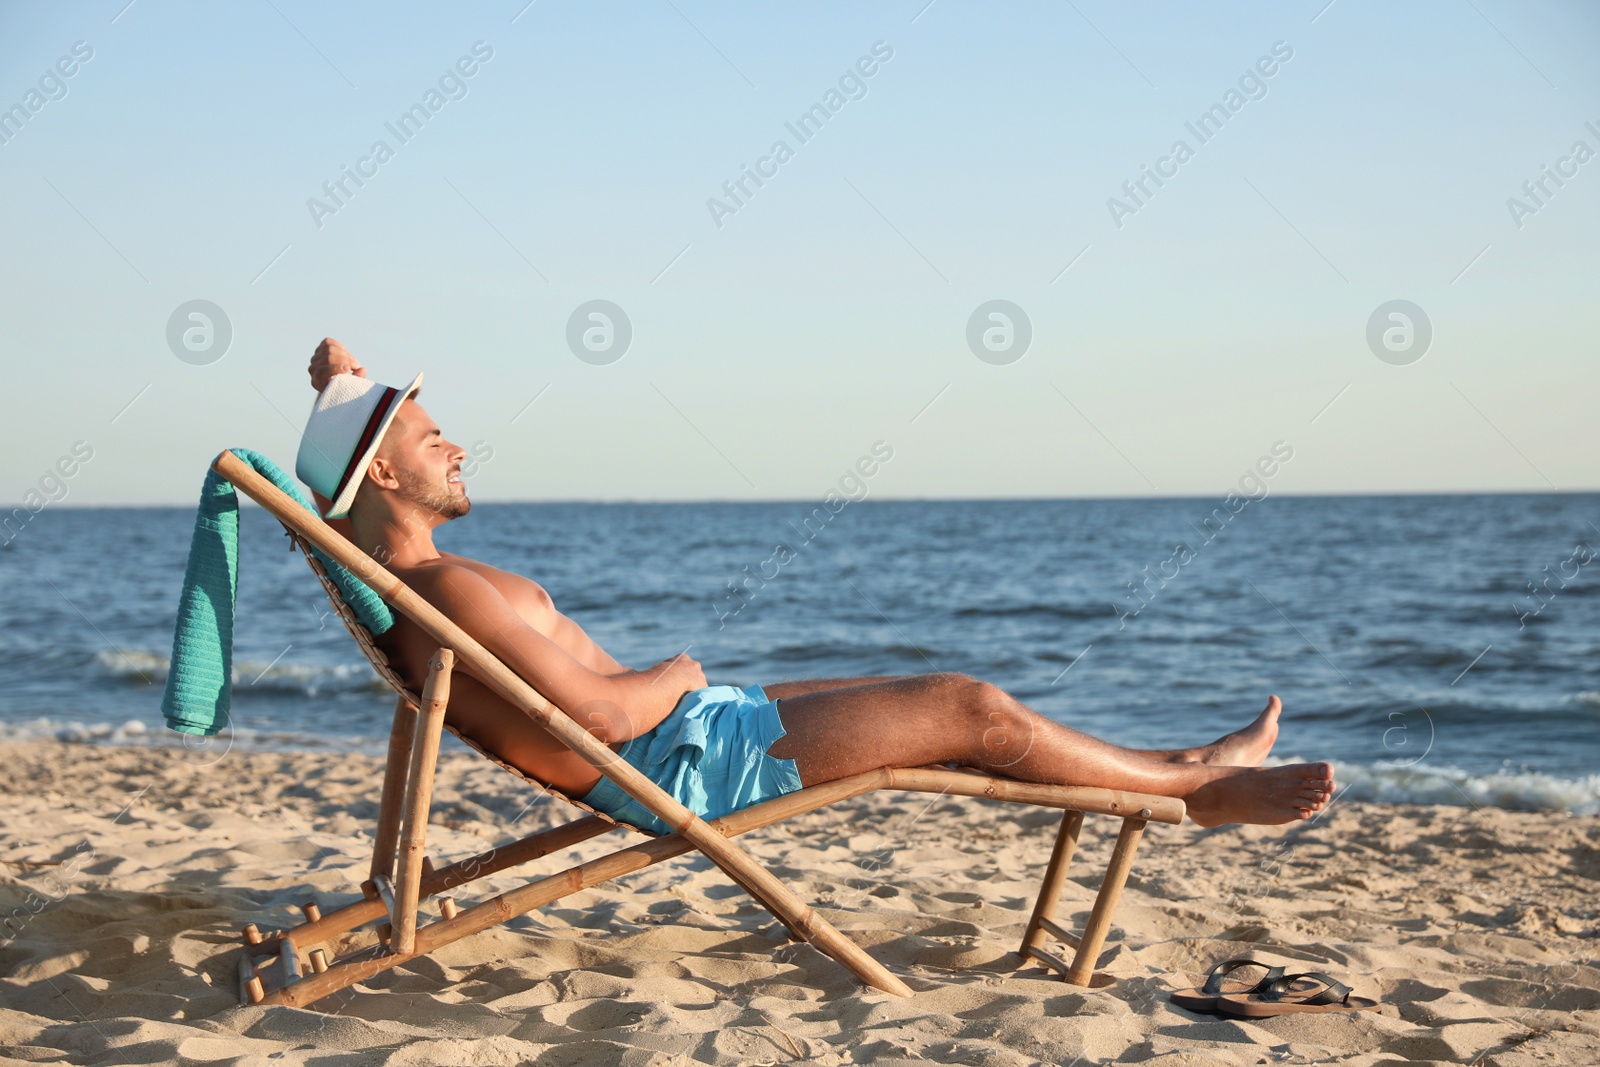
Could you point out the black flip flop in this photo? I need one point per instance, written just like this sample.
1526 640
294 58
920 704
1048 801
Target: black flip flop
1278 997
1204 998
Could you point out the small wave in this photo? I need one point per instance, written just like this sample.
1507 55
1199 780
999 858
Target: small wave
305 679
136 665
140 732
131 731
844 654
309 679
1514 790
1408 653
618 602
1588 696
1051 611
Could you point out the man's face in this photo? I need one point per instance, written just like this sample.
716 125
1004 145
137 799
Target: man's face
427 466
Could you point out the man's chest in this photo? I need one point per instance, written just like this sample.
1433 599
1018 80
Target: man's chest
527 597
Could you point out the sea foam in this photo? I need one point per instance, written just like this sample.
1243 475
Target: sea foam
308 679
1512 789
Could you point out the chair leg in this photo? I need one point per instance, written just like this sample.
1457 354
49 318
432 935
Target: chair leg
806 925
794 934
419 797
250 987
1055 878
1105 903
394 784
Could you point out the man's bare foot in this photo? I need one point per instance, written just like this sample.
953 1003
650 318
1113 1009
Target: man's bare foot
1242 748
1264 797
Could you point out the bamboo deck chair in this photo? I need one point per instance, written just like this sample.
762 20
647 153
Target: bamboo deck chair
297 966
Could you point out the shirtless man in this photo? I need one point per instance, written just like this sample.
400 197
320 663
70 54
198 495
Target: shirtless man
829 728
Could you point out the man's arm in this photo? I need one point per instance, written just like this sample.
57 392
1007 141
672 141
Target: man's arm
613 707
329 359
332 358
572 637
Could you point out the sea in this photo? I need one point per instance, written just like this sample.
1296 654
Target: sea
1438 649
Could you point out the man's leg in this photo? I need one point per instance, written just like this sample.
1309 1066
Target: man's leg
1241 748
952 718
781 690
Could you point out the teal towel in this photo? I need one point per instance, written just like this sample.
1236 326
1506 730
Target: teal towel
201 673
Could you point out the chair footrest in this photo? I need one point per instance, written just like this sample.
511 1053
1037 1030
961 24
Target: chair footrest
1049 959
1059 932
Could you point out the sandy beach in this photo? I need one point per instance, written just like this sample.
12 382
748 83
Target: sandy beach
127 873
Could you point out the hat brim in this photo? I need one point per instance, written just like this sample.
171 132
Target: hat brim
341 505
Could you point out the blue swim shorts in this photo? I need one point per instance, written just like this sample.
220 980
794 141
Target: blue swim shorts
710 754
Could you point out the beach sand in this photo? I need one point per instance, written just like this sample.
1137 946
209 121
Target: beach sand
128 872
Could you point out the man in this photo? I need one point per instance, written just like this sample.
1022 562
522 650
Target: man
374 454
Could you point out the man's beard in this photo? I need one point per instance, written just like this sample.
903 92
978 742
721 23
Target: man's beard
440 501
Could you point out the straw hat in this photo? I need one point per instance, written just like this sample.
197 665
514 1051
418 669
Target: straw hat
347 424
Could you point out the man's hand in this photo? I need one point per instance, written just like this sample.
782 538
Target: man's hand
332 358
682 671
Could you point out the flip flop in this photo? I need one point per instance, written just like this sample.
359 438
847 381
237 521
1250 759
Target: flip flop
1204 998
1278 998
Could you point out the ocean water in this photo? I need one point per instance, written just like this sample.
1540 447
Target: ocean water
1439 649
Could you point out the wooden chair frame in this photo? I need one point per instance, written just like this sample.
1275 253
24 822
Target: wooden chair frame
296 967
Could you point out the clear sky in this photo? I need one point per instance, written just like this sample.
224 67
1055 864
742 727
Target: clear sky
1176 336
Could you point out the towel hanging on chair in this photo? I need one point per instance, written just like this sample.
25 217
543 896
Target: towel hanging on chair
199 680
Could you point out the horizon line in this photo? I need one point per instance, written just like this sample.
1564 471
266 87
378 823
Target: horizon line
899 499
